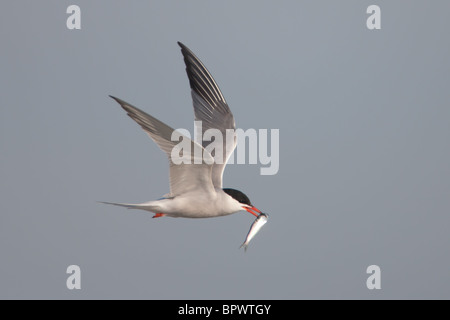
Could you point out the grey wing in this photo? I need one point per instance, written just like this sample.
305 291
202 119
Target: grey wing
183 177
211 108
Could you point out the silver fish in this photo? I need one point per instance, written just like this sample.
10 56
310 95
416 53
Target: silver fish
254 229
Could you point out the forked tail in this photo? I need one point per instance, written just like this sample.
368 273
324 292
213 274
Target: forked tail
245 245
149 206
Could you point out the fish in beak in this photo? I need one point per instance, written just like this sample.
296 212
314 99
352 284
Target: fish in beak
254 229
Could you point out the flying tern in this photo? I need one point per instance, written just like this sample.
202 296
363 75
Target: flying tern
195 187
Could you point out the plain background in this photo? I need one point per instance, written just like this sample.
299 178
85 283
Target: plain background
364 122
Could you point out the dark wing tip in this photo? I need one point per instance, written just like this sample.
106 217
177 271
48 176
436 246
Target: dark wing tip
200 80
185 51
183 47
117 99
125 105
122 103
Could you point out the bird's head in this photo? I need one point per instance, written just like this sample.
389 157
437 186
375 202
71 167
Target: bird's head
243 200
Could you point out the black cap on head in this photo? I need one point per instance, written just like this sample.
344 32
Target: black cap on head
238 196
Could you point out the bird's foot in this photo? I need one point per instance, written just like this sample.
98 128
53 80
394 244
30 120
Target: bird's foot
158 215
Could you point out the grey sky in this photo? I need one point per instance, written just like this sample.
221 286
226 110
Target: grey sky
364 123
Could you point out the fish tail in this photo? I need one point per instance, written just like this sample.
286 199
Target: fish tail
245 245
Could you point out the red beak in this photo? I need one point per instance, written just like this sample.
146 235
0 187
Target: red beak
252 209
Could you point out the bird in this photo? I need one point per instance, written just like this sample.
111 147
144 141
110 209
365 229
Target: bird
196 189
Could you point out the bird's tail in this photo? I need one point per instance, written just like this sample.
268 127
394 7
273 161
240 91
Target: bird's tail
149 206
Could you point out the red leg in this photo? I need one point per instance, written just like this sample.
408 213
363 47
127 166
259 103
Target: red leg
158 215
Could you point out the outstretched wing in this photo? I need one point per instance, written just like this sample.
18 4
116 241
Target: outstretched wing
183 177
211 108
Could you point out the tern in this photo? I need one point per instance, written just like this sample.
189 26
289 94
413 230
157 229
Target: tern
195 187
